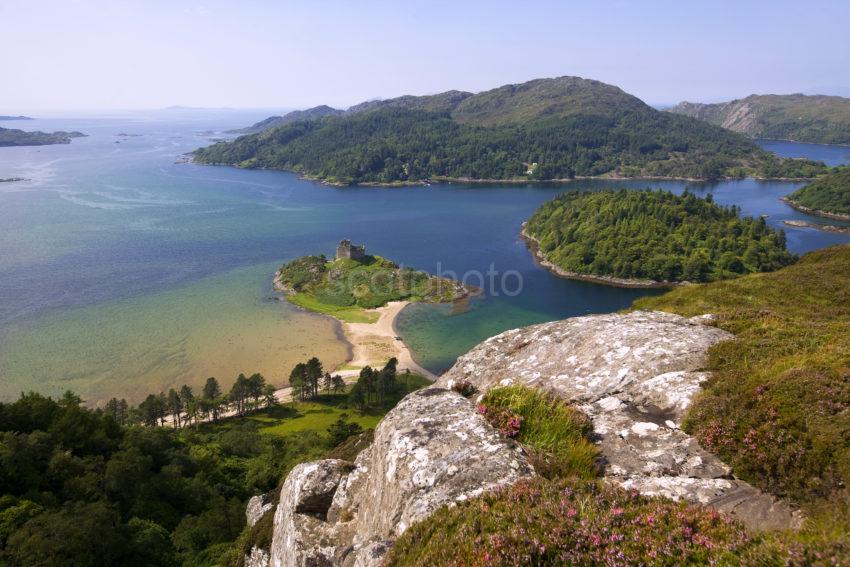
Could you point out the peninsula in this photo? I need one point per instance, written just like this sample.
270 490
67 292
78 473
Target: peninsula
14 137
827 196
650 239
541 130
365 293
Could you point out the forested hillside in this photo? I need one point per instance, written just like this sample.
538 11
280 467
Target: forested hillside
540 130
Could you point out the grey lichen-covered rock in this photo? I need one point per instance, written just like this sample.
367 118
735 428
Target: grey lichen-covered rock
300 535
431 450
256 508
257 558
634 375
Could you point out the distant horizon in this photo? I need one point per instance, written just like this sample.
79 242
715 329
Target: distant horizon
147 55
835 91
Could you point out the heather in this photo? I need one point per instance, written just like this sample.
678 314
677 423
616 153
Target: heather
571 522
777 407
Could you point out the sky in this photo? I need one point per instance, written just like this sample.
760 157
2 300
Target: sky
143 54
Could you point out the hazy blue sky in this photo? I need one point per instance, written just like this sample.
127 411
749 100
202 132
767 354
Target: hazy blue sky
252 53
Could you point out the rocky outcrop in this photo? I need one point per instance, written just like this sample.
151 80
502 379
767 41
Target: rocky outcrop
433 449
257 558
257 507
634 375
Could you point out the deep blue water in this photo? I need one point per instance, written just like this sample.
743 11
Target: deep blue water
108 232
830 155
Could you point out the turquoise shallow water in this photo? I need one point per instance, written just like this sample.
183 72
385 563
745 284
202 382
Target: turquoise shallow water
122 272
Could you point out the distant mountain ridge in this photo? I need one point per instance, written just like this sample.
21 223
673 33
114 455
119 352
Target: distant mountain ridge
538 130
801 118
563 96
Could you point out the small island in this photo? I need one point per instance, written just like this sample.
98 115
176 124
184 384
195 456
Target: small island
20 117
827 196
13 137
365 293
650 239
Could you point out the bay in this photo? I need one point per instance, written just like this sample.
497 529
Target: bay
123 272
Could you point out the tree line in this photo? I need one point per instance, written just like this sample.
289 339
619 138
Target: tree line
183 406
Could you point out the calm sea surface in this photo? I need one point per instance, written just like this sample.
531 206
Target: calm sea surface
123 272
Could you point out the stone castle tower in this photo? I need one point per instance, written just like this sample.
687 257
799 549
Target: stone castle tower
349 251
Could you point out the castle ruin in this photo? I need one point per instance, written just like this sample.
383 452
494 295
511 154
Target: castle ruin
349 251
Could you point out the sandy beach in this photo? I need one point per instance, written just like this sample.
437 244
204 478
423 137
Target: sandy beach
372 344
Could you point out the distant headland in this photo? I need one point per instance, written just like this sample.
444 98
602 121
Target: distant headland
13 137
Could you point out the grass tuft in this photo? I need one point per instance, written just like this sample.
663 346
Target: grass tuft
554 433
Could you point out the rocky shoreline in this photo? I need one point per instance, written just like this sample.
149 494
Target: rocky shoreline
816 226
816 212
534 247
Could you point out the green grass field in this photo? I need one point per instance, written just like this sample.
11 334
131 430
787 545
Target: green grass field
350 314
317 415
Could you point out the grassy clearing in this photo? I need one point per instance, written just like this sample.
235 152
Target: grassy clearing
349 314
555 433
318 414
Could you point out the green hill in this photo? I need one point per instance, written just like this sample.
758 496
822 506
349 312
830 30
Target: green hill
801 118
828 195
539 130
653 235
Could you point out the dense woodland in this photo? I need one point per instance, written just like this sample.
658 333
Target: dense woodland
829 194
539 130
654 235
166 482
